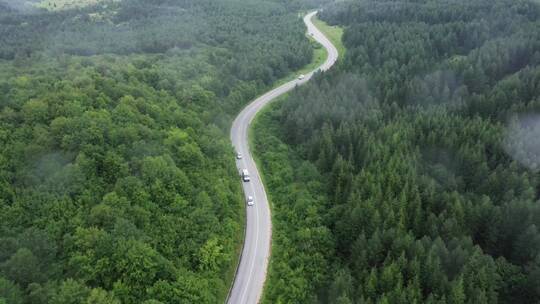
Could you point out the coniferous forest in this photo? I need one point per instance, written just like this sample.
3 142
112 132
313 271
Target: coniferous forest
409 172
117 178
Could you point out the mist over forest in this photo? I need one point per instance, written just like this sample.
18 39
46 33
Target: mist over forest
116 179
408 173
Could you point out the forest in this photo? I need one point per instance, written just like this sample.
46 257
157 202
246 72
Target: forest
117 177
410 172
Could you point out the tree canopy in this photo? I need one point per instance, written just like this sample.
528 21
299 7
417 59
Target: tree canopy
117 178
395 177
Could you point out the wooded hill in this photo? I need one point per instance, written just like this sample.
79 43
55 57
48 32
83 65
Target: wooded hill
395 177
117 179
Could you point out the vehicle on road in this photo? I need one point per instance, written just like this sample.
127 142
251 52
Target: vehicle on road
253 265
238 155
245 175
250 201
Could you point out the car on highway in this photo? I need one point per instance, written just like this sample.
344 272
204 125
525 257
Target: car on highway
238 155
250 201
302 76
253 265
245 175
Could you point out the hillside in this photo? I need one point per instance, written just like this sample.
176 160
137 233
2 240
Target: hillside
117 180
410 173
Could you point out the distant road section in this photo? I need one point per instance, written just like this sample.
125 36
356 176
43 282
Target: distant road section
251 273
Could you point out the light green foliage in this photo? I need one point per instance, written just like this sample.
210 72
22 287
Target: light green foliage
71 292
210 255
100 296
117 179
9 292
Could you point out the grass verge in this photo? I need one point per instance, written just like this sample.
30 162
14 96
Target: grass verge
262 132
319 57
334 33
230 272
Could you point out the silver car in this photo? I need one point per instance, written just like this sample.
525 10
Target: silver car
250 201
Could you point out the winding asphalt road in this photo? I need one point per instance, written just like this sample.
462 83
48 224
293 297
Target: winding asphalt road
251 273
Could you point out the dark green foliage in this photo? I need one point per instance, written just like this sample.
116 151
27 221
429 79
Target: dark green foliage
408 136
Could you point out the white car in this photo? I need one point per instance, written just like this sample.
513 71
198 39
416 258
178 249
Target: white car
238 155
245 175
301 77
250 201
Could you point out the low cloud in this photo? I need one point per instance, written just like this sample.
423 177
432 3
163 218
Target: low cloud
522 140
25 6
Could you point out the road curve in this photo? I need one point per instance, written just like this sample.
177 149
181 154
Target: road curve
251 273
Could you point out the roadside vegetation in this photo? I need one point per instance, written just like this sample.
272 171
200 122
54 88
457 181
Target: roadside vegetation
333 32
117 179
277 161
318 58
409 174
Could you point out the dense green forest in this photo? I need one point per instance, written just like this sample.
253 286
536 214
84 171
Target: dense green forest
117 180
409 173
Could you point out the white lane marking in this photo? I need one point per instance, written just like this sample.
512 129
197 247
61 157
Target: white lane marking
249 113
255 248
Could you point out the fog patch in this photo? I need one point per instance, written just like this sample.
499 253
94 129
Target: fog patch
522 141
438 87
20 6
441 164
49 165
